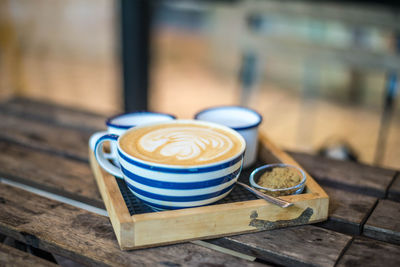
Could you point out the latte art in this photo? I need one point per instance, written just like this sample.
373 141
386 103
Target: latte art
181 144
186 143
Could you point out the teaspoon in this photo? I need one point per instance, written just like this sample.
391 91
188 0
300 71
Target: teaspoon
273 200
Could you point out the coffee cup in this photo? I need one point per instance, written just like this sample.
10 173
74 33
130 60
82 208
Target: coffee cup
176 164
241 119
119 124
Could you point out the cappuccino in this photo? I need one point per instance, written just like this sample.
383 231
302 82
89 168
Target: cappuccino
188 144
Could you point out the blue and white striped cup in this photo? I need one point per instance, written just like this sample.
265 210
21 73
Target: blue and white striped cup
163 186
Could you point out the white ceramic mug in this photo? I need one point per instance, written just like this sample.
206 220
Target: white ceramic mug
243 120
119 124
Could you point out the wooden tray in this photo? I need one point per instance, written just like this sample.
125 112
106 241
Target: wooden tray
137 226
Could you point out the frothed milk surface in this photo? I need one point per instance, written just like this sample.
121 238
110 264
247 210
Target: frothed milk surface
181 144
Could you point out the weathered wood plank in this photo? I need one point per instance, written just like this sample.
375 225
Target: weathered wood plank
384 222
43 136
347 211
52 173
54 114
13 257
351 176
368 252
88 238
295 246
394 190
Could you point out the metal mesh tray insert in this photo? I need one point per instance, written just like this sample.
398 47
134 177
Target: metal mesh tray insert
135 206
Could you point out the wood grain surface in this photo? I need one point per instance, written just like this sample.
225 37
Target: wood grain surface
368 252
384 222
10 257
54 114
89 238
304 245
394 189
52 173
43 136
350 176
348 211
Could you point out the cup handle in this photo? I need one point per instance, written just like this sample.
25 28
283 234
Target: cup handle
100 155
93 140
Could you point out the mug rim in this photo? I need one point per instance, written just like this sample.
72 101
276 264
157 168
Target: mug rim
109 122
253 125
172 167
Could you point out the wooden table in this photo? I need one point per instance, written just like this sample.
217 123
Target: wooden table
44 149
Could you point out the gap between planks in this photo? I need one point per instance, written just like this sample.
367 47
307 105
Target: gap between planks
103 212
397 174
344 250
364 221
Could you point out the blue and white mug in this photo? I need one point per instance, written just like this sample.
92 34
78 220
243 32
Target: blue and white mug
119 124
163 186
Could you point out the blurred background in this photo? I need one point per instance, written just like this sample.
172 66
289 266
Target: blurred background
323 74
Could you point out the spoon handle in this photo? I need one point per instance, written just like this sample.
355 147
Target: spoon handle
273 200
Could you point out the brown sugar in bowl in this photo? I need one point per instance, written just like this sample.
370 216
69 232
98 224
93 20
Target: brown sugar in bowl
278 179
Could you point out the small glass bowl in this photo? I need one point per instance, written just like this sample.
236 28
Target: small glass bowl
276 192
